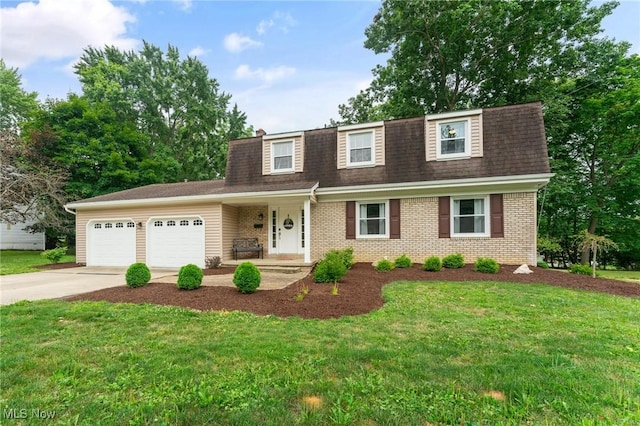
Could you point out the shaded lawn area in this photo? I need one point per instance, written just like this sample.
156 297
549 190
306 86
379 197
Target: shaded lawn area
436 352
22 261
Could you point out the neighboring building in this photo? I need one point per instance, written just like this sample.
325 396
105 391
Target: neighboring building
461 182
14 237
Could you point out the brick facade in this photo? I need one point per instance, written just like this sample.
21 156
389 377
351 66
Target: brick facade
419 233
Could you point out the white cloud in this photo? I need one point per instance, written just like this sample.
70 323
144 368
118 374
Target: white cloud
244 72
235 42
184 4
54 29
280 20
198 51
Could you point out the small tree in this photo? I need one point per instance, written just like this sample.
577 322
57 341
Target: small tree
594 243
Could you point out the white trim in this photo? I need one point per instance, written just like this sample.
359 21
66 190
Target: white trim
487 217
372 161
387 221
455 114
440 184
291 169
307 231
288 135
360 126
467 140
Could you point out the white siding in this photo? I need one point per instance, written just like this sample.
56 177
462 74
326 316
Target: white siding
14 237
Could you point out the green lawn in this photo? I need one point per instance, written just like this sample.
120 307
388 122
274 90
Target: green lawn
436 353
21 261
632 276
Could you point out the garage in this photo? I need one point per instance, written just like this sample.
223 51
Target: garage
175 242
111 242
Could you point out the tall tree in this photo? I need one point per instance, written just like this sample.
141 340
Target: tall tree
470 53
174 102
99 151
16 104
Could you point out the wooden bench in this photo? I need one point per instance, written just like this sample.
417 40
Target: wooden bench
246 245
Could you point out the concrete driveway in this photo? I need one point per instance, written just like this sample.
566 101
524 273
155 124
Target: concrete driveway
58 283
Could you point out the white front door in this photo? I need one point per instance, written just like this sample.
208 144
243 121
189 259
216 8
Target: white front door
287 229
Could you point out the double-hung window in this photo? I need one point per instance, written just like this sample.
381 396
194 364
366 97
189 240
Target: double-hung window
282 154
360 149
470 217
372 219
453 140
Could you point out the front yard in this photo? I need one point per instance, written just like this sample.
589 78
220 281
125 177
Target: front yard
21 261
435 353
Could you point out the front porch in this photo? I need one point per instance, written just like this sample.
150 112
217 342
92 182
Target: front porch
275 261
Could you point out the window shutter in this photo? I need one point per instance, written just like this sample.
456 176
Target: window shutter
497 216
394 214
351 220
444 220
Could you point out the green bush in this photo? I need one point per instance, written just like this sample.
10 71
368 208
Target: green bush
453 261
346 255
384 265
433 264
331 269
247 277
137 275
486 265
54 255
190 277
542 264
403 262
583 269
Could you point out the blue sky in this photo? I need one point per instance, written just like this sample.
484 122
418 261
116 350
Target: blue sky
287 64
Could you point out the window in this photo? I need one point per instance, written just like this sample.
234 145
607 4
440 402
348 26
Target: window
360 149
119 225
197 222
372 219
171 223
97 226
157 223
184 223
131 225
108 225
282 153
470 217
453 140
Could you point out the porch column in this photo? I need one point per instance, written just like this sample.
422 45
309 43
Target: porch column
307 232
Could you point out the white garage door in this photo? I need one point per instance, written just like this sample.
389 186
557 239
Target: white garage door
175 242
111 243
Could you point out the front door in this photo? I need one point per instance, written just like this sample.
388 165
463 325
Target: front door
288 229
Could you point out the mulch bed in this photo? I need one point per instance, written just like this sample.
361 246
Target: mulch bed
359 292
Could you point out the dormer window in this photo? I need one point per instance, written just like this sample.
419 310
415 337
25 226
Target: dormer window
282 156
453 140
360 149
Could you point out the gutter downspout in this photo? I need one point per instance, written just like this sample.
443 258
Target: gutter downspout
69 211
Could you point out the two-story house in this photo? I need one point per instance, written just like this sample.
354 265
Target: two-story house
460 182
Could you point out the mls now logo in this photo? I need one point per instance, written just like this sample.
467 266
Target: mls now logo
14 413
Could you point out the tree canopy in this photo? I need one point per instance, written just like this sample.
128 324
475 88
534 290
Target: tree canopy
16 104
467 54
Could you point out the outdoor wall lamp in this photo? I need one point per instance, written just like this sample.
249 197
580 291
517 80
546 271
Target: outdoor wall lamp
139 225
260 217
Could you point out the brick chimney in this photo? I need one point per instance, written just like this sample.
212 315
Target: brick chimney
260 132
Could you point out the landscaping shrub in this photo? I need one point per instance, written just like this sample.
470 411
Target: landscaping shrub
403 262
137 275
384 265
54 255
213 262
543 265
433 264
247 277
583 269
486 265
346 255
190 277
331 269
453 261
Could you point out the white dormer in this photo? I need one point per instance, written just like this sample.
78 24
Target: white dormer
454 135
361 145
282 153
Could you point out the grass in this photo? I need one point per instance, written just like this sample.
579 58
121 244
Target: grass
21 261
631 276
436 353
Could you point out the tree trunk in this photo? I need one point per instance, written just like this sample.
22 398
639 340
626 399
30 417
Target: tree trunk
595 254
593 224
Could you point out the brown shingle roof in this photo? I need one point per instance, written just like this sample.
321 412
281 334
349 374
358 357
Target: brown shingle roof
513 144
